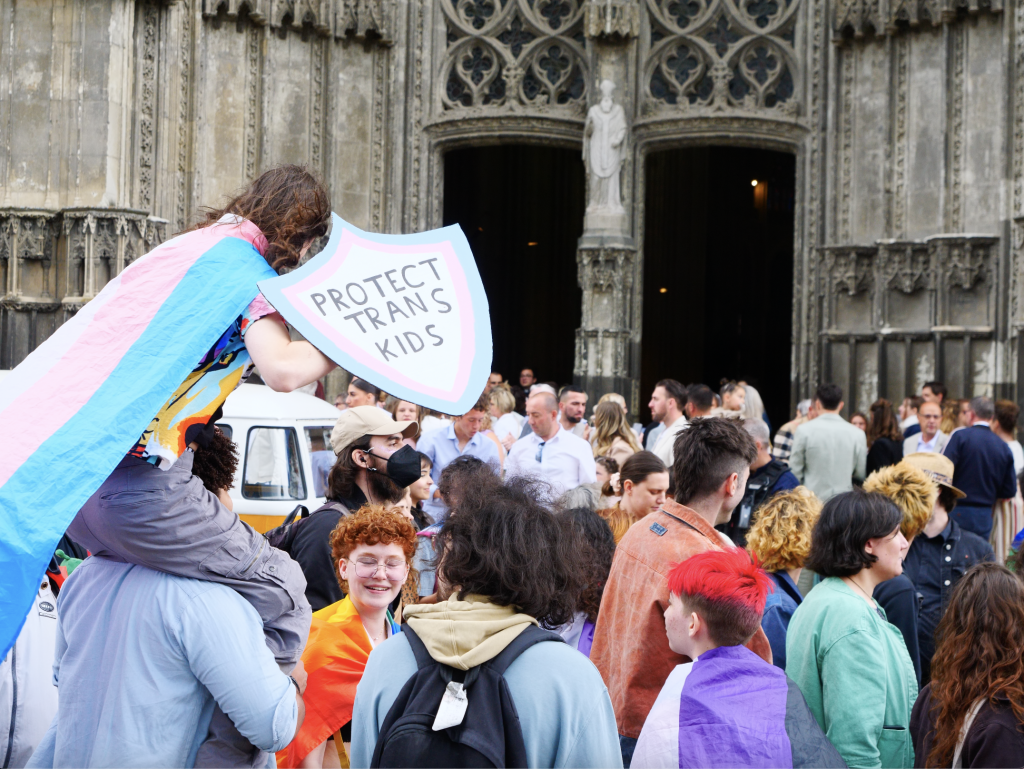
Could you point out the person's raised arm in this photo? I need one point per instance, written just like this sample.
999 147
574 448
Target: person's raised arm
284 364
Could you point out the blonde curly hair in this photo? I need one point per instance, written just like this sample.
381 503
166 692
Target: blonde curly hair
911 489
781 534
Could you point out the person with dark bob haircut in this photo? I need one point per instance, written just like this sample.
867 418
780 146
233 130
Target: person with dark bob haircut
851 664
504 563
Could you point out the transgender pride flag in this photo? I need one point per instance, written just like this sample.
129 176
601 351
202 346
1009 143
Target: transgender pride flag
78 403
730 708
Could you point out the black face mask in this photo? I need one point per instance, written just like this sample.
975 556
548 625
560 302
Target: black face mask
403 466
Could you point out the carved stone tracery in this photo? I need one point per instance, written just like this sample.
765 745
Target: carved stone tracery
722 55
858 18
518 54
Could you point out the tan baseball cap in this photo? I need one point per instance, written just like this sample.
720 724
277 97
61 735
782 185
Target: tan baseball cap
358 421
936 466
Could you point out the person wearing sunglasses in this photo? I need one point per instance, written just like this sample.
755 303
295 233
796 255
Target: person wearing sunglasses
372 551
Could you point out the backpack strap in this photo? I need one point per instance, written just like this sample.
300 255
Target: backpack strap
530 637
423 658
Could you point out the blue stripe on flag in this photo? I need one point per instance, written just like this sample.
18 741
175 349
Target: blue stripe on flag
42 497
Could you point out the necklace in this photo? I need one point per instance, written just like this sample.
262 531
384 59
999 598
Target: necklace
862 590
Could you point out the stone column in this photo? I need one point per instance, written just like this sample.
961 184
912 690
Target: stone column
608 341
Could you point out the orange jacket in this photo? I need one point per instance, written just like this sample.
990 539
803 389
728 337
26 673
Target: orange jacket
630 646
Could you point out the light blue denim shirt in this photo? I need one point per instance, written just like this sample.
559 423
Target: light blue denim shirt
442 446
142 656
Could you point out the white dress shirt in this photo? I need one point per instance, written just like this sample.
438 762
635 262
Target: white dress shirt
665 447
565 461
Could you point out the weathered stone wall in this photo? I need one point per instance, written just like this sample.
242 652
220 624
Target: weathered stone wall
914 268
120 118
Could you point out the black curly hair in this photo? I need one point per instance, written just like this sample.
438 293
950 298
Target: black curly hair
215 464
500 542
598 534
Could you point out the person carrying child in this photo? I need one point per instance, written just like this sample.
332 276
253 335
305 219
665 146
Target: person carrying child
728 707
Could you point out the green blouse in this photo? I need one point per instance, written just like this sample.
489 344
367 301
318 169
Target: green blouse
855 673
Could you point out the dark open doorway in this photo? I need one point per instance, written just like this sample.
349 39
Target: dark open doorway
718 270
521 208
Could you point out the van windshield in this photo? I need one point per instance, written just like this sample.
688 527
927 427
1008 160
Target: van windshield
273 466
318 441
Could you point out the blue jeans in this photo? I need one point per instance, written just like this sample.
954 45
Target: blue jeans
975 519
627 745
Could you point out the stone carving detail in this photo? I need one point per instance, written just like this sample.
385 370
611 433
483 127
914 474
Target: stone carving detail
362 19
604 136
858 18
905 266
848 269
514 53
318 52
957 129
715 55
98 244
606 277
102 242
252 100
380 74
184 113
846 142
899 161
611 18
965 260
147 103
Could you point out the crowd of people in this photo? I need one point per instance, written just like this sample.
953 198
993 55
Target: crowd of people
520 585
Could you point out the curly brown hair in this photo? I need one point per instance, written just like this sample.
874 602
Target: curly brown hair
371 525
978 648
599 537
289 204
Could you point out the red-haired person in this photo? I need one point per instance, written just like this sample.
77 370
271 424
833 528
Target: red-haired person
372 550
728 707
972 712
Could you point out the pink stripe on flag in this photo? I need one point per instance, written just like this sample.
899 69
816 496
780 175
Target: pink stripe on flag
143 288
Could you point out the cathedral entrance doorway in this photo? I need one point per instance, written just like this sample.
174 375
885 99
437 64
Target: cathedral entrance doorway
718 270
521 207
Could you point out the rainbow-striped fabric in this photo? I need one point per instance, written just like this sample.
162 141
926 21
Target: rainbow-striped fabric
80 401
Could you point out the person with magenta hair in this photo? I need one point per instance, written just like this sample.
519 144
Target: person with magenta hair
728 707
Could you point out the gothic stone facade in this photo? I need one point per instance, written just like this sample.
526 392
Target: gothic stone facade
119 118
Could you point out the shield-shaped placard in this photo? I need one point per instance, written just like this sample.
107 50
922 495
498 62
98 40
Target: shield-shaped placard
407 313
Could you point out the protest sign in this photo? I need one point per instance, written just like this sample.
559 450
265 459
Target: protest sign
407 313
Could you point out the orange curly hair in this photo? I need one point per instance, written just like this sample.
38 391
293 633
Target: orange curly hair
780 536
371 525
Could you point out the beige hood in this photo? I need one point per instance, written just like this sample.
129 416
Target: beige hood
465 634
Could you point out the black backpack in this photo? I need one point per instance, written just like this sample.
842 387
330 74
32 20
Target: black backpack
489 735
282 537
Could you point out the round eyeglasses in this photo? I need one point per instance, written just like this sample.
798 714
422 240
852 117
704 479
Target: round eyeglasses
394 569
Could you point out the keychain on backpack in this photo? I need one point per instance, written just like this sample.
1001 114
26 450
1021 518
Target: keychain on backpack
453 707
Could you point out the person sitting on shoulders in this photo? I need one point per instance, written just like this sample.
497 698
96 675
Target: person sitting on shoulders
727 707
780 540
372 550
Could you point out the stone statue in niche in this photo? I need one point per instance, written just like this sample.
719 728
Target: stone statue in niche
604 135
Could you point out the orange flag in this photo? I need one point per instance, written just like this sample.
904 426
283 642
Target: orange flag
334 658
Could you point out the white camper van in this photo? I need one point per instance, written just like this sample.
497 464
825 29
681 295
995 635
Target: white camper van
284 452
